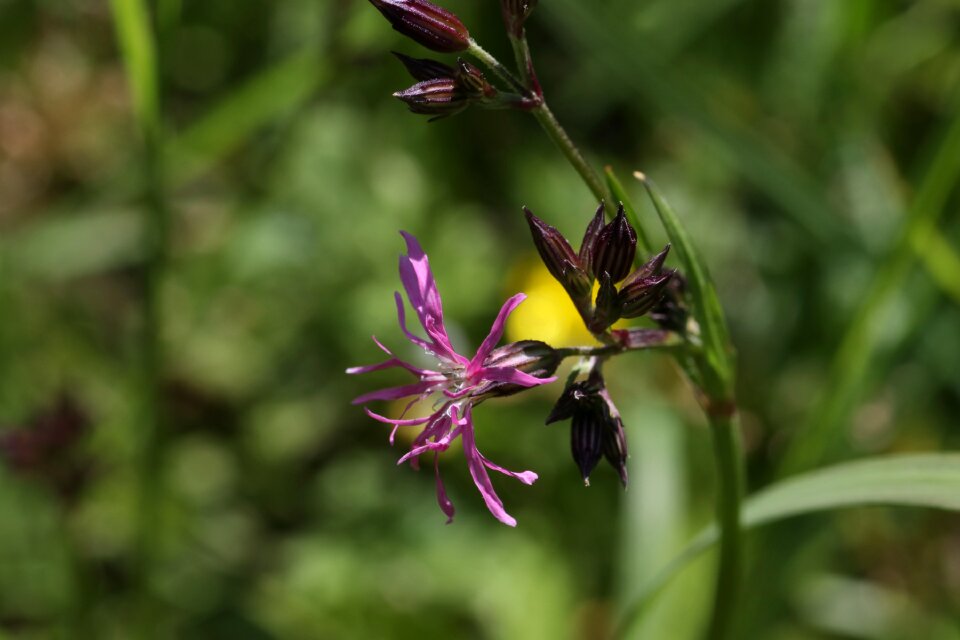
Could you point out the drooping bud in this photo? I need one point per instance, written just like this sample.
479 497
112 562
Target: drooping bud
424 68
515 14
640 295
596 427
586 441
426 23
440 97
557 255
614 438
589 239
615 248
573 396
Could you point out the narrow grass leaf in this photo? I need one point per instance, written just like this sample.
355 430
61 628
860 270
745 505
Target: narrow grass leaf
929 480
138 48
706 304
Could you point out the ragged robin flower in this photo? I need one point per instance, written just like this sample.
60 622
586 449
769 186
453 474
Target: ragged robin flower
458 383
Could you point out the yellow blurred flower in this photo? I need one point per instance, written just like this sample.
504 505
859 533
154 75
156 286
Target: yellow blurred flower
547 314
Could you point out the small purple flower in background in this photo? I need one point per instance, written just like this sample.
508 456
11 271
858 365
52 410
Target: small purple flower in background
461 382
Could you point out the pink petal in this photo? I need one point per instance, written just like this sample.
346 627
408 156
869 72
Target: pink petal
402 320
394 393
442 344
512 375
396 422
390 364
526 477
419 283
496 331
480 477
445 505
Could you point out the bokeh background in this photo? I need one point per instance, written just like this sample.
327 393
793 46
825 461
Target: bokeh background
811 146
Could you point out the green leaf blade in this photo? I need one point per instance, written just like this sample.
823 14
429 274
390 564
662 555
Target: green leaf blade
930 480
706 305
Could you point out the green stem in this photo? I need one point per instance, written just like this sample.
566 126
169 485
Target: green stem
496 66
521 53
726 453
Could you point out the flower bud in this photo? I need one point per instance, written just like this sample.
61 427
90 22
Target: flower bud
559 258
615 248
586 442
651 267
607 309
640 295
589 239
440 97
515 14
472 82
424 68
573 396
615 441
595 429
426 23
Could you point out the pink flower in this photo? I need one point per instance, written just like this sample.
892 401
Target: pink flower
461 382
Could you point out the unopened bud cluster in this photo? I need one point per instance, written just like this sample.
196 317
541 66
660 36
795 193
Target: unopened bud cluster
596 429
606 255
443 90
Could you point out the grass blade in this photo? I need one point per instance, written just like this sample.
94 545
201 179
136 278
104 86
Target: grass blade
929 480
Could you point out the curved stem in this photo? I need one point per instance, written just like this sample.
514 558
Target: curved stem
726 453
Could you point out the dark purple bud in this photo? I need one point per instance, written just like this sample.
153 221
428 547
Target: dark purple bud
576 281
440 98
607 309
614 438
640 295
515 14
559 258
472 81
424 68
586 441
426 23
572 398
671 311
589 239
651 267
596 427
615 248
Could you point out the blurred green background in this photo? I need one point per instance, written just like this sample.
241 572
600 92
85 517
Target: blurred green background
812 147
